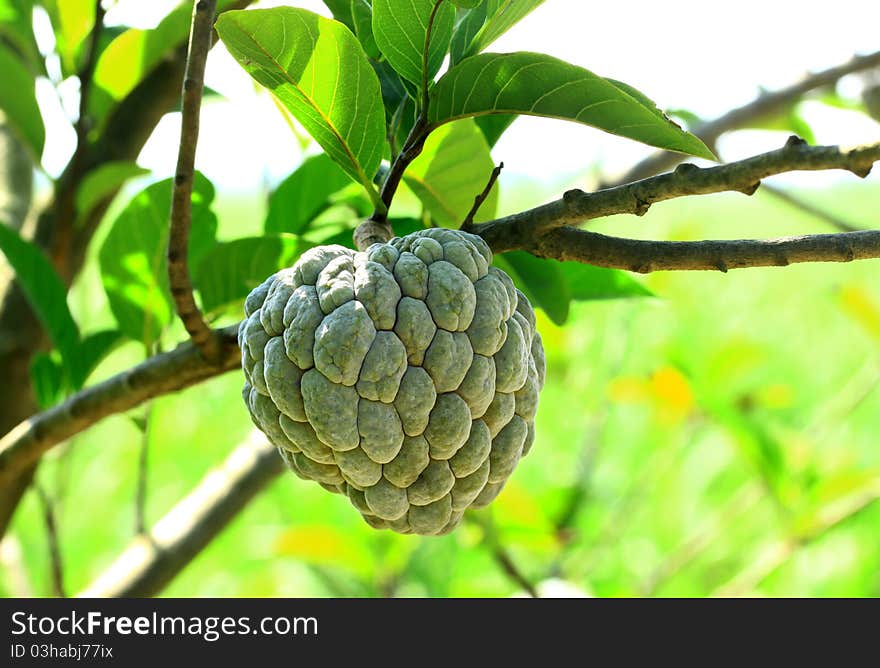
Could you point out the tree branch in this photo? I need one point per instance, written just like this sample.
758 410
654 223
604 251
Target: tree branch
763 106
162 374
181 201
525 229
150 562
468 222
126 131
55 561
569 243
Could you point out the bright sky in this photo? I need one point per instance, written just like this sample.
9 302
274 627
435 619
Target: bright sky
696 55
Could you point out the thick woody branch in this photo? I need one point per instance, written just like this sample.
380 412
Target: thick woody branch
181 202
764 106
569 243
162 374
523 230
151 561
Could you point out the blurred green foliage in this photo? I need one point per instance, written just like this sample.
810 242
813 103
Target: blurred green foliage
719 438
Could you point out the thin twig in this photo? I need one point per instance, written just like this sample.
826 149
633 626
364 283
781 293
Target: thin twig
181 203
511 570
763 106
150 562
809 208
501 555
480 199
55 560
140 498
162 374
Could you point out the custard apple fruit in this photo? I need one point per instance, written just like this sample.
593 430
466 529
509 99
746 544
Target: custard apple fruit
405 377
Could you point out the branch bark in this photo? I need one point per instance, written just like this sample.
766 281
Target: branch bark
162 374
569 243
126 131
150 562
181 201
763 106
527 230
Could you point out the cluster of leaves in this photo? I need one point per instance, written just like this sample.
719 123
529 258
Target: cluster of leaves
367 86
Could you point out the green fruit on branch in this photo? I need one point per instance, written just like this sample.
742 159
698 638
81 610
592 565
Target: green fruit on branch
405 377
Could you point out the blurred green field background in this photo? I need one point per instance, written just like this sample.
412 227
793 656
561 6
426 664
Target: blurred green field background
721 438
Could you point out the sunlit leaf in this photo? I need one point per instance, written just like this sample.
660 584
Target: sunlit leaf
46 294
494 125
132 55
342 12
102 182
401 31
452 170
47 379
304 194
540 85
72 21
16 29
132 258
362 15
18 102
318 70
485 23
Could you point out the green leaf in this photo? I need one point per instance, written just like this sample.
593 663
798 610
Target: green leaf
92 351
589 283
494 125
16 29
342 11
45 292
542 281
131 56
466 4
451 171
132 258
362 15
47 379
50 379
318 70
72 21
485 23
102 182
230 270
401 31
539 85
303 195
398 96
18 101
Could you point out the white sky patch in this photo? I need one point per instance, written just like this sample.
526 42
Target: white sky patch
681 53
